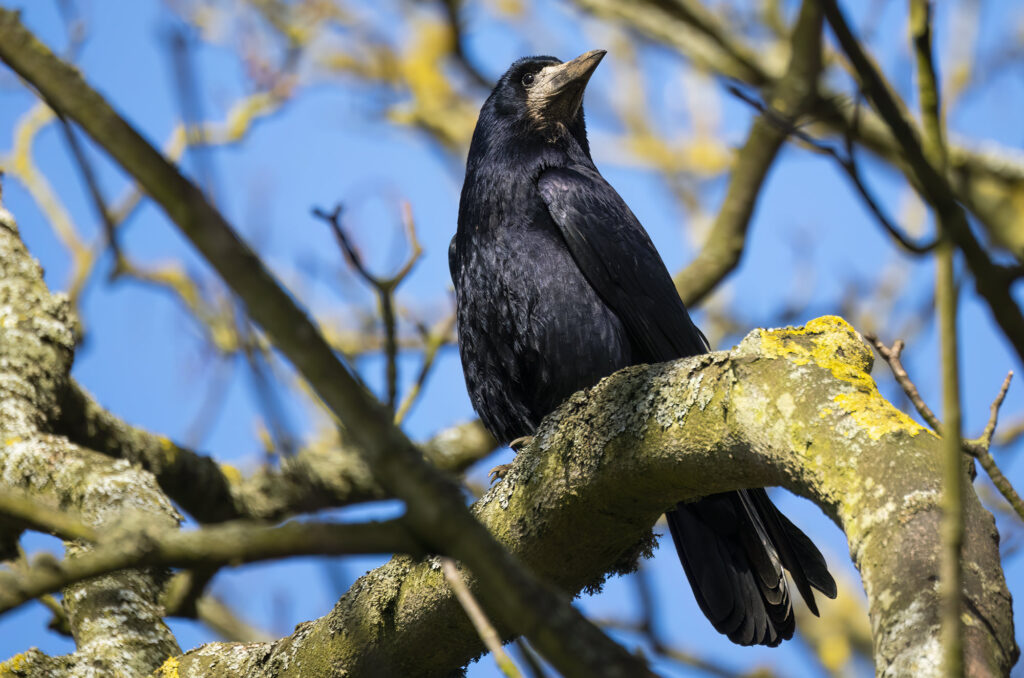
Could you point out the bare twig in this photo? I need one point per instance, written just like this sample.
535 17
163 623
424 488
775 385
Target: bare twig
979 448
483 626
95 193
433 340
384 287
892 357
847 160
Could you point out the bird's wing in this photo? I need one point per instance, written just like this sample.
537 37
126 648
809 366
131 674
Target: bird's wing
619 260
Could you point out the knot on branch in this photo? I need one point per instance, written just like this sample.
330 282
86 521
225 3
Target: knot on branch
832 344
828 342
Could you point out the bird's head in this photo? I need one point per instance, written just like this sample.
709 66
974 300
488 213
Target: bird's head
542 97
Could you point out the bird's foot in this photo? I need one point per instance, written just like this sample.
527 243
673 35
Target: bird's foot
519 443
498 472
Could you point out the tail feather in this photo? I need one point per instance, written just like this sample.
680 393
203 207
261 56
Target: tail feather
734 547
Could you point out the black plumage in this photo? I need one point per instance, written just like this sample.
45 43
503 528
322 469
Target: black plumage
557 286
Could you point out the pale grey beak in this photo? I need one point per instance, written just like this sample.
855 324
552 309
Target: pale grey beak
557 93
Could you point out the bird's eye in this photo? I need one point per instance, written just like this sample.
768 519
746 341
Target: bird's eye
528 79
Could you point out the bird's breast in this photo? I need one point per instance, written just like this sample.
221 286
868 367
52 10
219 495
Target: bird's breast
531 328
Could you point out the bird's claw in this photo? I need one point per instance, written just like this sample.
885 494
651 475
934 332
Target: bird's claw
519 443
498 472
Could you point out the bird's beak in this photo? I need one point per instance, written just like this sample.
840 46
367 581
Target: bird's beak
557 92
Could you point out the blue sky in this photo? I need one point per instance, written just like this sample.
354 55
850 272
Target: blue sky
145 360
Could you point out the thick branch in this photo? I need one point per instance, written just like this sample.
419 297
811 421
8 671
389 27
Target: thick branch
36 343
316 477
792 407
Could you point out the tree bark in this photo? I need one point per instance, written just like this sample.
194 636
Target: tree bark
793 407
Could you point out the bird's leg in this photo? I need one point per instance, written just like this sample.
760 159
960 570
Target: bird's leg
499 471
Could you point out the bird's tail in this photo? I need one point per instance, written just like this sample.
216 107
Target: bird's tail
734 547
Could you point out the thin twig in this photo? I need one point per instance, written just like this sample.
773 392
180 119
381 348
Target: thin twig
258 358
95 193
892 357
483 626
433 340
979 448
384 287
847 161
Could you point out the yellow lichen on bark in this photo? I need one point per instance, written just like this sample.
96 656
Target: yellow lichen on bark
231 473
832 344
169 669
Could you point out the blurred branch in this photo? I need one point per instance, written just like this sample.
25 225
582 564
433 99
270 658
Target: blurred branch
989 182
452 10
993 280
215 614
226 544
483 626
979 448
95 193
42 517
795 90
848 162
433 340
314 478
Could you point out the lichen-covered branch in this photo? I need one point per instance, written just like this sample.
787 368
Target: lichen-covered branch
36 344
793 407
319 476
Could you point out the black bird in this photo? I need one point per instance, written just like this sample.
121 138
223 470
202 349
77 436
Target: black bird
558 285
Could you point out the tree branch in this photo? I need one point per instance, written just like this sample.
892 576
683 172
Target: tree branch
794 91
988 182
316 477
36 347
219 545
793 407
